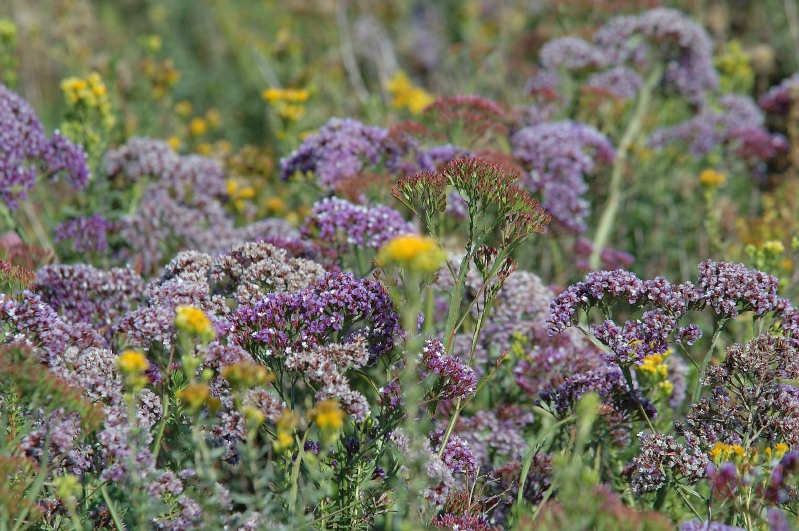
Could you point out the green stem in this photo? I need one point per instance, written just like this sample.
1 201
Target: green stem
295 474
634 127
162 427
38 484
706 361
625 370
111 509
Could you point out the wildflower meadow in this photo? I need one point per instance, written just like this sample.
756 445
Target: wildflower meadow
353 264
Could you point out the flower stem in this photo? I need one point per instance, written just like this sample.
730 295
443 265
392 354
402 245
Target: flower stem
706 361
619 165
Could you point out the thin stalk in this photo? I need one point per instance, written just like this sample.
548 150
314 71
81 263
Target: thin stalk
111 509
295 473
37 486
625 370
162 427
619 165
706 361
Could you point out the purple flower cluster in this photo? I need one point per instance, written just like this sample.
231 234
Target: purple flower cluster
282 323
728 288
747 396
33 321
663 459
457 455
667 36
737 123
607 382
559 156
341 225
341 149
326 366
610 258
697 525
572 53
454 379
89 234
84 294
778 100
25 150
181 208
619 82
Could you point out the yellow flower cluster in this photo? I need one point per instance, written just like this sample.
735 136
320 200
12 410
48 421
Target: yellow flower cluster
735 70
133 364
413 252
196 395
711 178
779 450
285 431
239 193
404 95
655 368
193 321
329 418
89 95
722 452
287 102
246 375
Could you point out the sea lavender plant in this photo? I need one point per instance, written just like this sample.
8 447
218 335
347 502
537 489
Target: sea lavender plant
182 206
89 234
361 230
662 36
341 149
558 156
26 152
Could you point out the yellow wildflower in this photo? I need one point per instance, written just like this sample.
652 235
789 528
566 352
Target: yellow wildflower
174 143
405 95
773 247
413 252
274 95
198 126
285 430
275 205
328 415
213 118
711 178
329 418
246 375
183 108
193 321
204 148
132 364
196 395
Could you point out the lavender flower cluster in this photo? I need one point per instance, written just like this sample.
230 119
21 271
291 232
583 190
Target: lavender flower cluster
727 288
181 207
345 148
778 100
341 225
282 323
454 379
667 36
89 234
559 156
84 294
25 150
341 149
737 123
